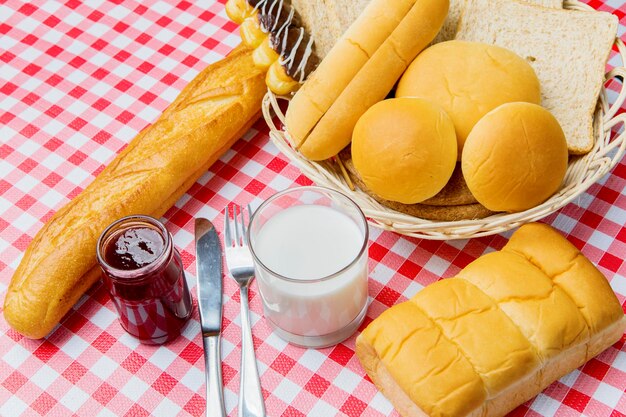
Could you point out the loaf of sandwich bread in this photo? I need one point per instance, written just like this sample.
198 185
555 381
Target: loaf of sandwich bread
148 177
486 341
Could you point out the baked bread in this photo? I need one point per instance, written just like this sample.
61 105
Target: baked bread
512 322
454 202
341 64
568 49
469 79
147 177
371 84
404 149
515 158
290 38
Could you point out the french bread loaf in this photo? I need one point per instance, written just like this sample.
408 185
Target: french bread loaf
147 177
507 326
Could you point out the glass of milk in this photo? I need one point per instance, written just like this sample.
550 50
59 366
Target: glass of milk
309 246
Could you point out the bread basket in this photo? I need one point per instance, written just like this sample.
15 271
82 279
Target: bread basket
582 172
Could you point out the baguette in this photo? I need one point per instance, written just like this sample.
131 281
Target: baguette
148 177
512 322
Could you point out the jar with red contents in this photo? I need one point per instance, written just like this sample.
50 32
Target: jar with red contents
144 274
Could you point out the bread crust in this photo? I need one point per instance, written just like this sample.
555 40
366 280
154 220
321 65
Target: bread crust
147 177
374 80
410 362
454 202
520 392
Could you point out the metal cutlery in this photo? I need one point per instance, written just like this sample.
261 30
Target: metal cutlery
209 266
241 267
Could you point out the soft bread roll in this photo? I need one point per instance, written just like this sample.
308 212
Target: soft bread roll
469 79
374 80
515 157
495 336
362 39
404 149
147 177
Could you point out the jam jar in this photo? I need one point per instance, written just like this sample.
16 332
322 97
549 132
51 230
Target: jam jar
144 275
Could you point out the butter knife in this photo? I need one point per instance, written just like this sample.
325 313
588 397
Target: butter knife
209 271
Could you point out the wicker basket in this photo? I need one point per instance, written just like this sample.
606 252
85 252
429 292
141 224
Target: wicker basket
582 172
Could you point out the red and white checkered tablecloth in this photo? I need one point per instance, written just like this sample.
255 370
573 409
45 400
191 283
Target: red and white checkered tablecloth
78 80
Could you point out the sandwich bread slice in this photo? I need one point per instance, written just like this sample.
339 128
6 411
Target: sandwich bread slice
568 49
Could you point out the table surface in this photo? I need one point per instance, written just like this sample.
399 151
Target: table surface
78 80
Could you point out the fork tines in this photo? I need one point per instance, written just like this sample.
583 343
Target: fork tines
239 225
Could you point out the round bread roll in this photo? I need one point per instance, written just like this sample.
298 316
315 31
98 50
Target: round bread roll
469 79
404 149
515 157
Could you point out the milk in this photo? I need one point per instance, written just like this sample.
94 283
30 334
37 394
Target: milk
308 244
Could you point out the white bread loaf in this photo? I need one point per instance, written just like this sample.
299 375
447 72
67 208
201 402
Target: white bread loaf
156 168
496 335
568 49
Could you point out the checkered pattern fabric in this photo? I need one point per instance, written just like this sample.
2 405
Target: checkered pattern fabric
78 80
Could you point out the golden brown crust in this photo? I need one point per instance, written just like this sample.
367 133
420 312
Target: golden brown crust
374 80
517 316
447 207
147 177
342 64
455 193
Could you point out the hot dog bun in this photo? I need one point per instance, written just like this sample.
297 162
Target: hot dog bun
147 177
351 52
333 128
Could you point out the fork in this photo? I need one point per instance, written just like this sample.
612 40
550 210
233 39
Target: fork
241 267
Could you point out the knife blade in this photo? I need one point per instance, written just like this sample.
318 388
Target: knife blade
209 286
209 266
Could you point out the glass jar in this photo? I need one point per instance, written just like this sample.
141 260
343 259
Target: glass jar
144 275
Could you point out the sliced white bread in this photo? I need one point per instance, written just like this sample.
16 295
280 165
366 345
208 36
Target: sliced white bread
327 20
448 30
568 50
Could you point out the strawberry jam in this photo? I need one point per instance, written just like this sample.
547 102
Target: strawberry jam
144 275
